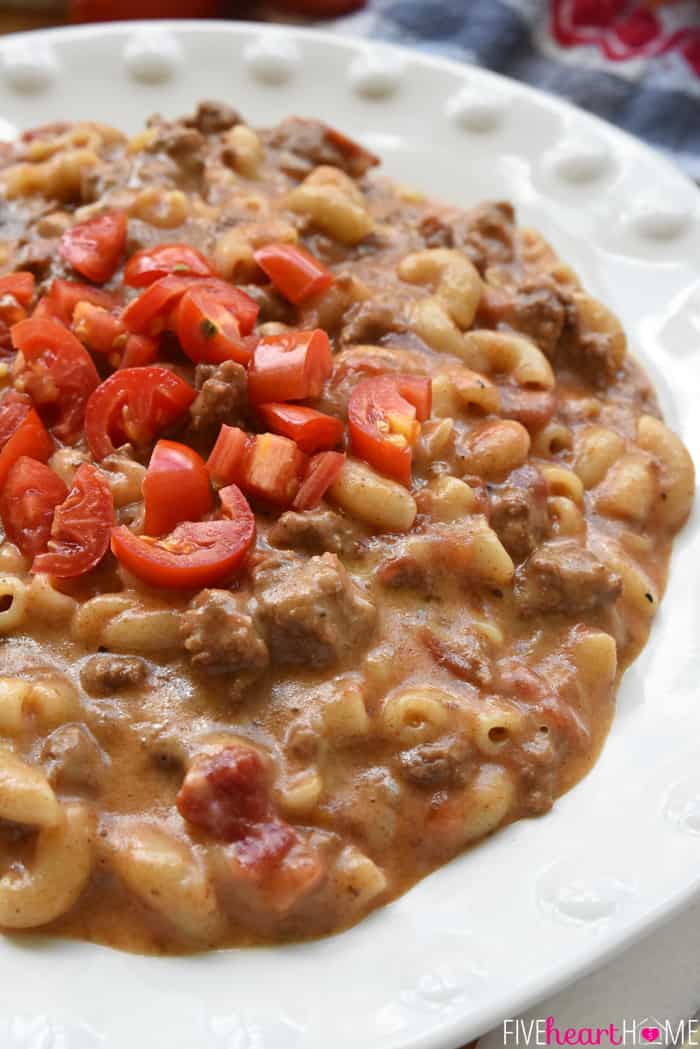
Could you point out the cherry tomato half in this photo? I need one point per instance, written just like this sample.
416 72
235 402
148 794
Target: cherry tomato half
176 488
244 309
313 431
58 374
21 433
209 328
294 271
81 527
148 313
383 427
320 475
227 459
94 248
29 497
64 296
139 350
289 367
194 555
134 404
97 328
19 285
151 264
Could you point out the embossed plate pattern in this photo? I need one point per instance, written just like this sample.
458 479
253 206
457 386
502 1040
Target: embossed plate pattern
545 900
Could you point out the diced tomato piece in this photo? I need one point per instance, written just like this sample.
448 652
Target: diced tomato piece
310 429
266 465
226 793
418 391
289 367
21 433
194 555
273 469
209 328
148 313
28 499
139 350
320 475
81 527
64 296
58 374
94 248
274 867
97 328
151 264
19 285
134 404
226 462
176 488
293 271
383 427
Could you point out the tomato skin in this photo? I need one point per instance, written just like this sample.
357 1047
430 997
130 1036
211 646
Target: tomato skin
28 499
209 332
289 367
226 462
96 327
195 554
320 475
311 430
383 427
94 248
134 404
139 350
58 373
21 433
295 272
147 314
81 527
64 296
151 264
176 488
19 285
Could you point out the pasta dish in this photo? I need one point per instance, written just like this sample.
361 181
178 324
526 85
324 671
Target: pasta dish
331 515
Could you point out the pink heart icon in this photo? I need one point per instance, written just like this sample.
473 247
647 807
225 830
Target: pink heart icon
650 1034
